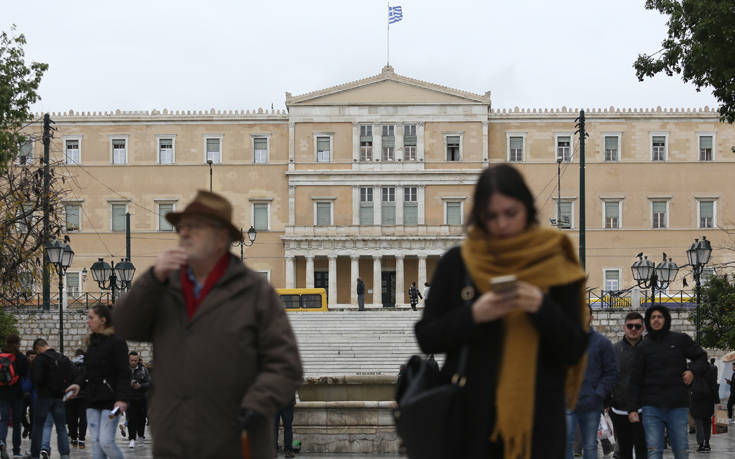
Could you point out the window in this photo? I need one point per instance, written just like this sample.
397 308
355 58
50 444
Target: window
612 147
707 274
25 218
453 142
266 275
25 153
388 209
72 214
409 142
25 280
658 148
705 148
72 150
166 150
214 149
612 214
73 285
163 209
260 150
366 206
410 206
453 211
565 215
261 216
389 143
366 143
118 216
119 150
658 214
612 279
323 149
564 148
323 213
706 211
515 148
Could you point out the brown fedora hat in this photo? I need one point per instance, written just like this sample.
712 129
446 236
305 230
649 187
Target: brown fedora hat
210 205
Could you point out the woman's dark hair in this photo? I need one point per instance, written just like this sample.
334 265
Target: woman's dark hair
103 312
503 179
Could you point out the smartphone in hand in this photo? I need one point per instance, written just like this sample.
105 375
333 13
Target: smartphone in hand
503 284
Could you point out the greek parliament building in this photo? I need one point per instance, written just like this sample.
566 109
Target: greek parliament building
374 178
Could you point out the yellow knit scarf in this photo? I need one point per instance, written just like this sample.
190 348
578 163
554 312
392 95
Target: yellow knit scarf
545 258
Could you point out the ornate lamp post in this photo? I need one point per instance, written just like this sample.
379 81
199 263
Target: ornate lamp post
647 275
209 161
61 256
246 242
113 277
698 255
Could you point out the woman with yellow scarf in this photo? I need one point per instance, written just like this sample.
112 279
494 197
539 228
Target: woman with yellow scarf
526 344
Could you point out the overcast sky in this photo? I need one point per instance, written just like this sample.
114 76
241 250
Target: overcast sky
141 55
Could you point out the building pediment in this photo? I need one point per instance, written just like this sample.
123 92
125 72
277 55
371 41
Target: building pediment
388 88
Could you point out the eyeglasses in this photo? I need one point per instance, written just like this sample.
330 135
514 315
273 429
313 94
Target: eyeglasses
633 326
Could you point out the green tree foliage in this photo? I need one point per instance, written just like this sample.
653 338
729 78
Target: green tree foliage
700 46
717 314
7 326
18 85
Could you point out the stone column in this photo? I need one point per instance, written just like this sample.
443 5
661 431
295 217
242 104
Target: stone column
291 145
422 273
485 146
399 205
378 205
354 274
332 294
290 272
309 271
355 143
400 287
377 281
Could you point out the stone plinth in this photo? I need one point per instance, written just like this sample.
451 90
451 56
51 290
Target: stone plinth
348 388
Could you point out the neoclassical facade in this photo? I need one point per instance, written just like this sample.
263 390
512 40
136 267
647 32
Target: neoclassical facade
373 178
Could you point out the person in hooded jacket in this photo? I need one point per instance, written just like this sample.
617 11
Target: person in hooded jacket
526 344
106 382
660 380
702 407
76 408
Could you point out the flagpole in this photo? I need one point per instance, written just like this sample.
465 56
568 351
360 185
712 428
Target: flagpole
387 41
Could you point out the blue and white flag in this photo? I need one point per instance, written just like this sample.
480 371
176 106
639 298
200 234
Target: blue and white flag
395 14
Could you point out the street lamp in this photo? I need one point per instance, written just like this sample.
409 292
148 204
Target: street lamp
60 255
209 161
246 242
113 277
647 275
698 255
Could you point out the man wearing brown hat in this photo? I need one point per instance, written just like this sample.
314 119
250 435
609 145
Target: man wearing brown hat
226 357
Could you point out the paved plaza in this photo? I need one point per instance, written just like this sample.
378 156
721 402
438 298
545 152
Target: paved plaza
723 447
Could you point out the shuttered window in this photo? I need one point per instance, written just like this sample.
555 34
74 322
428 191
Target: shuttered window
323 213
214 150
516 149
163 209
119 151
611 148
706 214
73 213
705 148
410 206
260 150
454 213
659 214
118 217
323 149
366 206
260 216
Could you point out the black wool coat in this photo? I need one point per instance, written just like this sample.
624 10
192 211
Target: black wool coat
703 395
447 325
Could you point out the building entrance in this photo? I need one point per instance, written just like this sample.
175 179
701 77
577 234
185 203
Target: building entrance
388 287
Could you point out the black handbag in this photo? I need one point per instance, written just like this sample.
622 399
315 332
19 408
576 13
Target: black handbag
428 415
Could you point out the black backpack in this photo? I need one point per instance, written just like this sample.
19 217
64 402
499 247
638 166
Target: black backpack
59 376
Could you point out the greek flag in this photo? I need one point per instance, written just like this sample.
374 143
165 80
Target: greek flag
395 14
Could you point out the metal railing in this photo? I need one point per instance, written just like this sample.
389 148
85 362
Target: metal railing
79 302
607 299
624 299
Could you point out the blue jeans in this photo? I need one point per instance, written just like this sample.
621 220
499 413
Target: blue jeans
44 407
676 420
46 437
102 429
589 421
6 407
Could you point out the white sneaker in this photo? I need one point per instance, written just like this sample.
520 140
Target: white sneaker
132 444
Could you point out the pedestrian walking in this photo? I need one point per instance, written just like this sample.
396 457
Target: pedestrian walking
140 382
51 375
702 407
427 287
360 290
629 436
76 408
525 343
106 382
660 381
414 295
731 399
285 415
13 367
600 375
198 301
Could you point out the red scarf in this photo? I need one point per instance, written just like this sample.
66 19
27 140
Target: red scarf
192 302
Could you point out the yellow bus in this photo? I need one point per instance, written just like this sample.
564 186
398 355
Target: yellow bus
303 299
